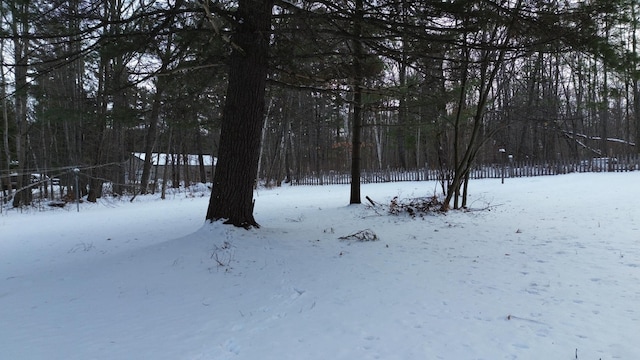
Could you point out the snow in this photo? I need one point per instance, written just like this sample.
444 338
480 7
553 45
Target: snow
540 268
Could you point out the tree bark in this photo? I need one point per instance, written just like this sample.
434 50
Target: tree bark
243 114
5 184
150 139
358 54
201 168
490 63
20 27
635 77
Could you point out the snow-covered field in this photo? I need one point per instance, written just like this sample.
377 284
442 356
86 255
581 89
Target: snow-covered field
541 268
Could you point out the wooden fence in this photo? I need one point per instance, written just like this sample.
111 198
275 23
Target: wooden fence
488 171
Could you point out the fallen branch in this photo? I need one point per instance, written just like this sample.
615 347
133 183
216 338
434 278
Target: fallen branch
371 201
362 235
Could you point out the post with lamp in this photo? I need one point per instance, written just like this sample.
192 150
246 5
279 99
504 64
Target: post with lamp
503 152
510 156
76 172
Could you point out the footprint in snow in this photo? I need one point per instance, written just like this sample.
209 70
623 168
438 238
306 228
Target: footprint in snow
232 347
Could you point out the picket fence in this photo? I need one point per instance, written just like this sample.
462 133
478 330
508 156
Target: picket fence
486 171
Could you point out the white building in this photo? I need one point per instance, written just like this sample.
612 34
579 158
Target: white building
181 167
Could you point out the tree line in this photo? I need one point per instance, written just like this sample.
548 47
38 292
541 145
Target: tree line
278 89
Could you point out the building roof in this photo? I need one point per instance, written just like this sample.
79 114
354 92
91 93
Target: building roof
163 159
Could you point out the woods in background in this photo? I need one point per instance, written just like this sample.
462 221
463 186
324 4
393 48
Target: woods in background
350 85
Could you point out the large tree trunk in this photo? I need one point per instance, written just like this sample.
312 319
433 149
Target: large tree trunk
358 55
243 114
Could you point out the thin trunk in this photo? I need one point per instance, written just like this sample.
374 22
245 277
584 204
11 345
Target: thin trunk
402 103
95 182
201 167
402 114
453 187
490 64
20 27
635 74
265 125
377 135
5 184
150 138
165 168
604 107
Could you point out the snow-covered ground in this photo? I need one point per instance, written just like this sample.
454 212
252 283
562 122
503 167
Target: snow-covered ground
541 268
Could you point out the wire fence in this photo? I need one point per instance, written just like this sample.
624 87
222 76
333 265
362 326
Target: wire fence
508 169
58 188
